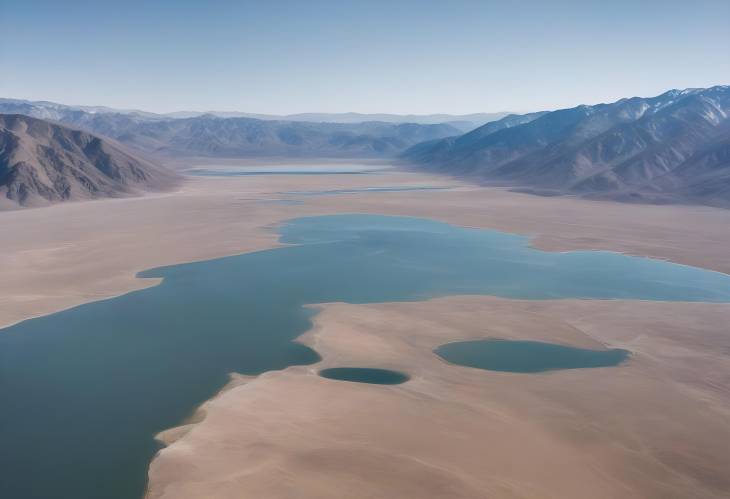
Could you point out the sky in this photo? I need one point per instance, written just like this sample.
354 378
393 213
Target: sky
396 56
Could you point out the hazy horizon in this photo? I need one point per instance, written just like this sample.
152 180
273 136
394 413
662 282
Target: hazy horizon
314 112
377 57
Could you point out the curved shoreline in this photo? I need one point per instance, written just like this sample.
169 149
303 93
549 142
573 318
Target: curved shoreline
304 407
218 201
149 218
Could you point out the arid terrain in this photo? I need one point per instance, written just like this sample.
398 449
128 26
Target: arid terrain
654 427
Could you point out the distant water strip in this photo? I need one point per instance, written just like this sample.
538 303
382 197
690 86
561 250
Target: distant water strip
334 192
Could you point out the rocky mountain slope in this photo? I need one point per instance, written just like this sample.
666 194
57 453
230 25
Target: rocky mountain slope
43 162
669 148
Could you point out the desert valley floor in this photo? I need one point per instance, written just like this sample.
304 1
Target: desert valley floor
653 427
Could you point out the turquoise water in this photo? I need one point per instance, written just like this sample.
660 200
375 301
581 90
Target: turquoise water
300 169
365 375
83 391
334 192
254 173
527 356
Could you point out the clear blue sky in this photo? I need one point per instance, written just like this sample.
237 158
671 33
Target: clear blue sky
395 56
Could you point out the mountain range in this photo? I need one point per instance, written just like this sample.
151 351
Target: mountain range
236 136
213 136
43 162
54 111
674 147
463 122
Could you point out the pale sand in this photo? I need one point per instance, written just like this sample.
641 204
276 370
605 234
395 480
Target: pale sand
655 428
57 257
61 256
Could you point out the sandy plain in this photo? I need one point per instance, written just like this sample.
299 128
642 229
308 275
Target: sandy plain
657 426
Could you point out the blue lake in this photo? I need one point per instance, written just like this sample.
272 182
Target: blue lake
527 356
250 173
294 169
83 391
373 376
335 192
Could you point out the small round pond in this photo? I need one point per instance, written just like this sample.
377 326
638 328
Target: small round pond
526 356
365 375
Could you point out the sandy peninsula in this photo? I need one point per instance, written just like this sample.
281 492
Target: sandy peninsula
654 427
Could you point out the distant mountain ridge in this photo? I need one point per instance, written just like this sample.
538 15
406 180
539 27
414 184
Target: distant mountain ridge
670 148
464 122
54 111
47 110
245 137
43 162
210 135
